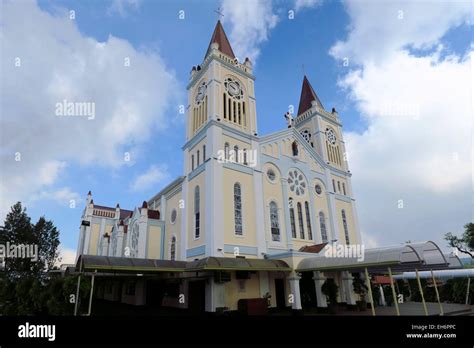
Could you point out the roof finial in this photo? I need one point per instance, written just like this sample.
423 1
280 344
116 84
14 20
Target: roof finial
219 13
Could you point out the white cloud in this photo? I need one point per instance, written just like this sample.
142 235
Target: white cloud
59 63
155 175
67 256
381 28
422 157
62 196
122 6
251 22
301 4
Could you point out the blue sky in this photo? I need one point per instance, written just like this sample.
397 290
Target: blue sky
385 59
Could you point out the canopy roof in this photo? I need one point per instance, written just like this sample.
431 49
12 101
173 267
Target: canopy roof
135 265
421 256
238 264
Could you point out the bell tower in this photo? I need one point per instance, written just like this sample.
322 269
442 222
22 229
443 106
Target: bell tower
221 88
320 128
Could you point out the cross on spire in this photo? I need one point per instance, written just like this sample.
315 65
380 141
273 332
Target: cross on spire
219 13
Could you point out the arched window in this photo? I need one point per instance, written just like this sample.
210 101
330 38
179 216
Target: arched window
197 216
344 224
245 156
292 219
294 148
274 222
192 162
204 153
236 154
308 220
344 189
198 158
300 220
322 224
173 248
226 150
238 209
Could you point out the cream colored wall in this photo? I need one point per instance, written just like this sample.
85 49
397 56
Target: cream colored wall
233 295
108 228
194 150
234 141
173 229
350 222
154 242
197 180
249 237
94 239
272 191
321 204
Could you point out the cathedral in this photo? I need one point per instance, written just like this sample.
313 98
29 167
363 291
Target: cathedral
247 210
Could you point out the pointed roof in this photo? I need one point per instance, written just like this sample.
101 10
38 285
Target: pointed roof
220 38
307 96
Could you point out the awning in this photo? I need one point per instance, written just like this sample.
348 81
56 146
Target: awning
134 265
127 264
237 264
421 256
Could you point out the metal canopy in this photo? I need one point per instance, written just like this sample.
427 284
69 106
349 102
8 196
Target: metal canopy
238 264
421 256
135 265
127 264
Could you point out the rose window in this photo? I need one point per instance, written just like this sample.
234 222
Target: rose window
296 182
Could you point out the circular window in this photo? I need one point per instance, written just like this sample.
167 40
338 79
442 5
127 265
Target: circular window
174 214
271 175
296 182
318 189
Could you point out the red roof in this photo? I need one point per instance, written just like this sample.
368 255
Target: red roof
316 248
220 38
307 96
154 214
123 212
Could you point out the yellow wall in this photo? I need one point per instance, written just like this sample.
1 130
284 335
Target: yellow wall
94 240
350 222
272 192
154 242
173 229
197 180
233 294
249 237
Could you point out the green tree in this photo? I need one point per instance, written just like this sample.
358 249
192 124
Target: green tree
465 243
25 280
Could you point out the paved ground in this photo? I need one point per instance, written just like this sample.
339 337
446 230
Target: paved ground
416 308
107 308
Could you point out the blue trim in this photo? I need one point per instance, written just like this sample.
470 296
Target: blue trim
229 248
200 250
238 167
197 171
279 254
343 198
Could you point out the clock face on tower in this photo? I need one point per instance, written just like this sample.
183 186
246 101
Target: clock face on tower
331 136
233 88
201 92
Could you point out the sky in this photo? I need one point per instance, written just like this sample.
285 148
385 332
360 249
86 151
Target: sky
399 73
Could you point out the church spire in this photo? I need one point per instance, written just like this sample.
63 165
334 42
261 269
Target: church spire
219 37
307 96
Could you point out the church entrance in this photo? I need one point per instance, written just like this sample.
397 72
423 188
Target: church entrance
280 293
307 291
197 296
